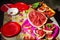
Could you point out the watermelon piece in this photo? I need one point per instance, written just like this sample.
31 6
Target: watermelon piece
28 38
36 18
49 27
39 33
32 38
49 36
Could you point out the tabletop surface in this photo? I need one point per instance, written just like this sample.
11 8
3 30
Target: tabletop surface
57 15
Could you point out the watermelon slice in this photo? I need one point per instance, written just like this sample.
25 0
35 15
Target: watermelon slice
48 28
39 33
26 38
29 38
32 38
49 36
36 18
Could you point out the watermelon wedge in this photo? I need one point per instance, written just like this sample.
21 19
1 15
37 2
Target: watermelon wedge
49 36
39 33
49 27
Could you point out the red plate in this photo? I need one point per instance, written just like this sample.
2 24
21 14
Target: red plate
4 7
21 6
10 29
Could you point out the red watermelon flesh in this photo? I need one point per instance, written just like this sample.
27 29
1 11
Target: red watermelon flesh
49 36
40 32
29 38
36 18
26 38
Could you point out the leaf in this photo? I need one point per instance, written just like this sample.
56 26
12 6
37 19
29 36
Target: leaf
48 25
27 11
35 5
